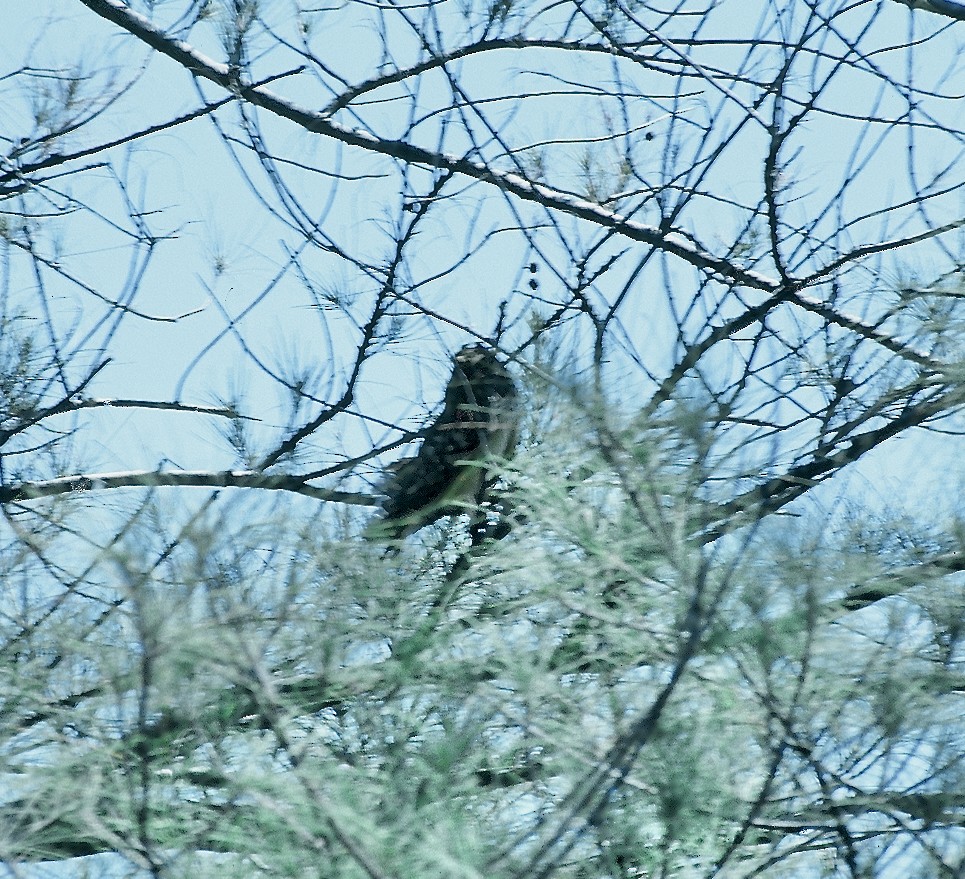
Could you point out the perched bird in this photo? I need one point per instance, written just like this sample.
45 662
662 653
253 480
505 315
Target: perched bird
449 475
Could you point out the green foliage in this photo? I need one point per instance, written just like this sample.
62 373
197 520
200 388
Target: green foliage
271 693
21 373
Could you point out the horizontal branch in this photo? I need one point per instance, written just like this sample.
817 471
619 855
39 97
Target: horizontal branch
74 403
944 808
165 405
26 491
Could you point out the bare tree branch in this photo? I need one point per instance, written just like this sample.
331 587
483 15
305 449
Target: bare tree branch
941 7
198 478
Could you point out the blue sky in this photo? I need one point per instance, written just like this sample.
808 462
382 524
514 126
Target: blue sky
187 178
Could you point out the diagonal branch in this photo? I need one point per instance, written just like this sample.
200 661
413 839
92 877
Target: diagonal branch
319 122
779 491
941 7
671 242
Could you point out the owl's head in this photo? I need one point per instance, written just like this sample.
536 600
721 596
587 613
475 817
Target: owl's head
479 366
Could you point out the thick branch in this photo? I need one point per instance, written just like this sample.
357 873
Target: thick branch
320 122
26 491
940 7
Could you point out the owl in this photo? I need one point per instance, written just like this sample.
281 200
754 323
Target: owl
451 473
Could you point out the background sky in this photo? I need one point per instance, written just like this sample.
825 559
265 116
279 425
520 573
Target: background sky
223 246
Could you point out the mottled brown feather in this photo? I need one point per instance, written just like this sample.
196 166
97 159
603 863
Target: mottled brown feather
478 422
